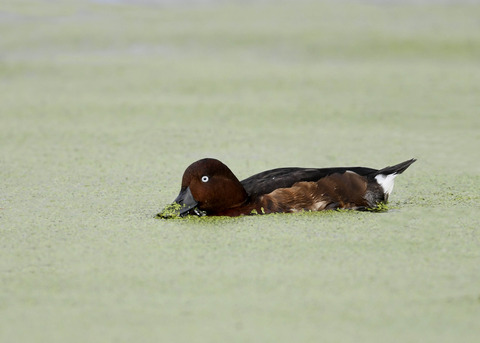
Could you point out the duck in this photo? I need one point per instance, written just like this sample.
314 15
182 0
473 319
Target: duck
209 188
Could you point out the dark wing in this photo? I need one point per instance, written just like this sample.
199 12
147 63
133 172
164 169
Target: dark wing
268 181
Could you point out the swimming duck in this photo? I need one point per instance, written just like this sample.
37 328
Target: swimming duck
210 188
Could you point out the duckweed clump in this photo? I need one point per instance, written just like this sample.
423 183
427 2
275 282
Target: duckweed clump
380 207
171 211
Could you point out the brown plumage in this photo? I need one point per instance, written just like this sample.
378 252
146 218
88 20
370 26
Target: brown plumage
209 187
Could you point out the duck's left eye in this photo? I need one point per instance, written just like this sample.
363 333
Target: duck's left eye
205 178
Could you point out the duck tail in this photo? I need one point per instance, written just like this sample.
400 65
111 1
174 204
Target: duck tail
396 169
385 177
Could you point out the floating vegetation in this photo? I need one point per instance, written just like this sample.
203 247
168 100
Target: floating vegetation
171 211
381 207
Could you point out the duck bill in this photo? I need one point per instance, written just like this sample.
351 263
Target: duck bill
181 206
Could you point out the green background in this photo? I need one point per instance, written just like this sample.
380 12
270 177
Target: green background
104 104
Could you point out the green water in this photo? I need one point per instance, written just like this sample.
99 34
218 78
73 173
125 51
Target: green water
103 106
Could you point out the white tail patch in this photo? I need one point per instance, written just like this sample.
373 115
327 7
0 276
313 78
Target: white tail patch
386 181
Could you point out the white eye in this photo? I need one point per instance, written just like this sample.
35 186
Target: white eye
205 178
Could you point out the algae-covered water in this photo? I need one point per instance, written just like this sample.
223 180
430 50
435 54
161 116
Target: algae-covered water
103 104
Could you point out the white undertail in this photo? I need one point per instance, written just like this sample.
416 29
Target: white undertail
386 181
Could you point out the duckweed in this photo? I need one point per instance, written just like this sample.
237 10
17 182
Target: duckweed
170 211
105 103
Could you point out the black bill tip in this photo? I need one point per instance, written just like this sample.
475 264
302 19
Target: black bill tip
185 204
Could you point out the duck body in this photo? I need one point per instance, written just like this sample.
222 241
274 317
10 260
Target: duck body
210 188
